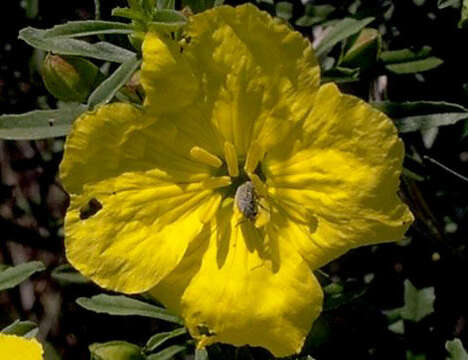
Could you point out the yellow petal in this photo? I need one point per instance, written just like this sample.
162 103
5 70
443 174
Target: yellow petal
242 287
120 138
240 67
139 231
134 189
13 347
344 178
166 75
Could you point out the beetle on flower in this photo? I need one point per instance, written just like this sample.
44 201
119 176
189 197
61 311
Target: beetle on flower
241 104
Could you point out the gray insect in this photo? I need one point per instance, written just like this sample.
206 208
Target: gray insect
246 200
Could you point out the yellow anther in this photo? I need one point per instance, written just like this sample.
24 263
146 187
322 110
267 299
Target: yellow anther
231 159
205 157
260 187
216 182
254 156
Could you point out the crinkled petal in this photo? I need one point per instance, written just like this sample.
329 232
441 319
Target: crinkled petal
339 179
241 286
253 77
137 198
13 347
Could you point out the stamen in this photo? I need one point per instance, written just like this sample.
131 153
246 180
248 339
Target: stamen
260 187
205 157
216 182
230 156
254 156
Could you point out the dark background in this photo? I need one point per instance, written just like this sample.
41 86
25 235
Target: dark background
32 205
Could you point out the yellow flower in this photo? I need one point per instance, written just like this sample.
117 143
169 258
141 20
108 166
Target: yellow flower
152 189
17 348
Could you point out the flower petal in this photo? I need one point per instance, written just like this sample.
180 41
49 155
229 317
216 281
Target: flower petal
341 179
240 287
13 347
254 76
134 189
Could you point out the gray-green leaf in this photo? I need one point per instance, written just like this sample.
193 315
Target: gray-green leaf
340 31
39 124
87 28
167 353
416 66
168 20
201 354
418 303
456 350
66 274
422 122
20 328
284 10
66 46
158 339
13 276
108 88
123 305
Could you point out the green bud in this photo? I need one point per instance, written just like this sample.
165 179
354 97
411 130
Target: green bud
115 350
70 78
363 51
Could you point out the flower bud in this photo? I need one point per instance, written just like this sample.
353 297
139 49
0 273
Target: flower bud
363 51
70 78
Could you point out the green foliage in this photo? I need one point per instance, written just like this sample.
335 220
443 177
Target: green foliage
26 329
15 275
115 350
167 353
39 124
456 350
158 339
107 90
66 274
125 306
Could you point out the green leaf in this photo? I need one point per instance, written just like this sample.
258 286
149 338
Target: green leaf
442 4
130 14
123 306
464 15
418 303
87 28
411 356
68 275
115 350
409 108
167 353
158 339
340 31
201 354
32 8
109 87
339 294
404 55
416 66
340 75
165 4
39 124
456 350
314 14
168 20
398 327
284 10
65 46
21 328
422 122
15 275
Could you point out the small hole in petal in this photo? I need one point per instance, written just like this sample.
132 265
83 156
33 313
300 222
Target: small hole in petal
205 330
90 209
